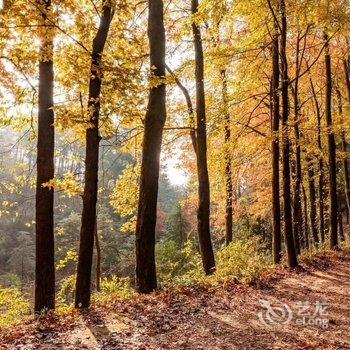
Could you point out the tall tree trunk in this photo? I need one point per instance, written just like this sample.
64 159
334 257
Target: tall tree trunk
344 149
340 223
347 76
88 220
297 208
312 192
321 193
154 123
345 160
44 216
228 166
98 259
288 230
306 225
275 147
346 175
320 165
202 166
345 169
333 205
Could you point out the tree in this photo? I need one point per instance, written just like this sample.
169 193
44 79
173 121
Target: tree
312 202
345 144
44 207
228 165
203 214
146 279
88 220
177 226
275 146
287 210
297 209
344 163
320 163
332 164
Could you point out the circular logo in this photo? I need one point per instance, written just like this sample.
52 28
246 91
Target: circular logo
274 314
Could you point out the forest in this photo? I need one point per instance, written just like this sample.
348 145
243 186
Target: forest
157 146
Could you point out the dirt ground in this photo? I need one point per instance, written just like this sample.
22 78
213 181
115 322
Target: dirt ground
229 316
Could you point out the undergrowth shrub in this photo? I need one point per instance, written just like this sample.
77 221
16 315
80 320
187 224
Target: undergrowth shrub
65 294
309 254
243 260
114 287
314 253
178 266
13 306
111 288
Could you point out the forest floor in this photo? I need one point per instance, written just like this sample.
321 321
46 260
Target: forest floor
225 316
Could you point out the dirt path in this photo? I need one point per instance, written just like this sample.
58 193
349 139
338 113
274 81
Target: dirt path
220 318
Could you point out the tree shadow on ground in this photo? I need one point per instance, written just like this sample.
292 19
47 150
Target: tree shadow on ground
97 326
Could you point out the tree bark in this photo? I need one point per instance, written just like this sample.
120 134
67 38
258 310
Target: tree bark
275 147
98 259
340 225
288 230
345 148
306 225
347 76
88 220
154 123
312 201
203 214
297 208
228 166
45 246
346 175
333 205
320 165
